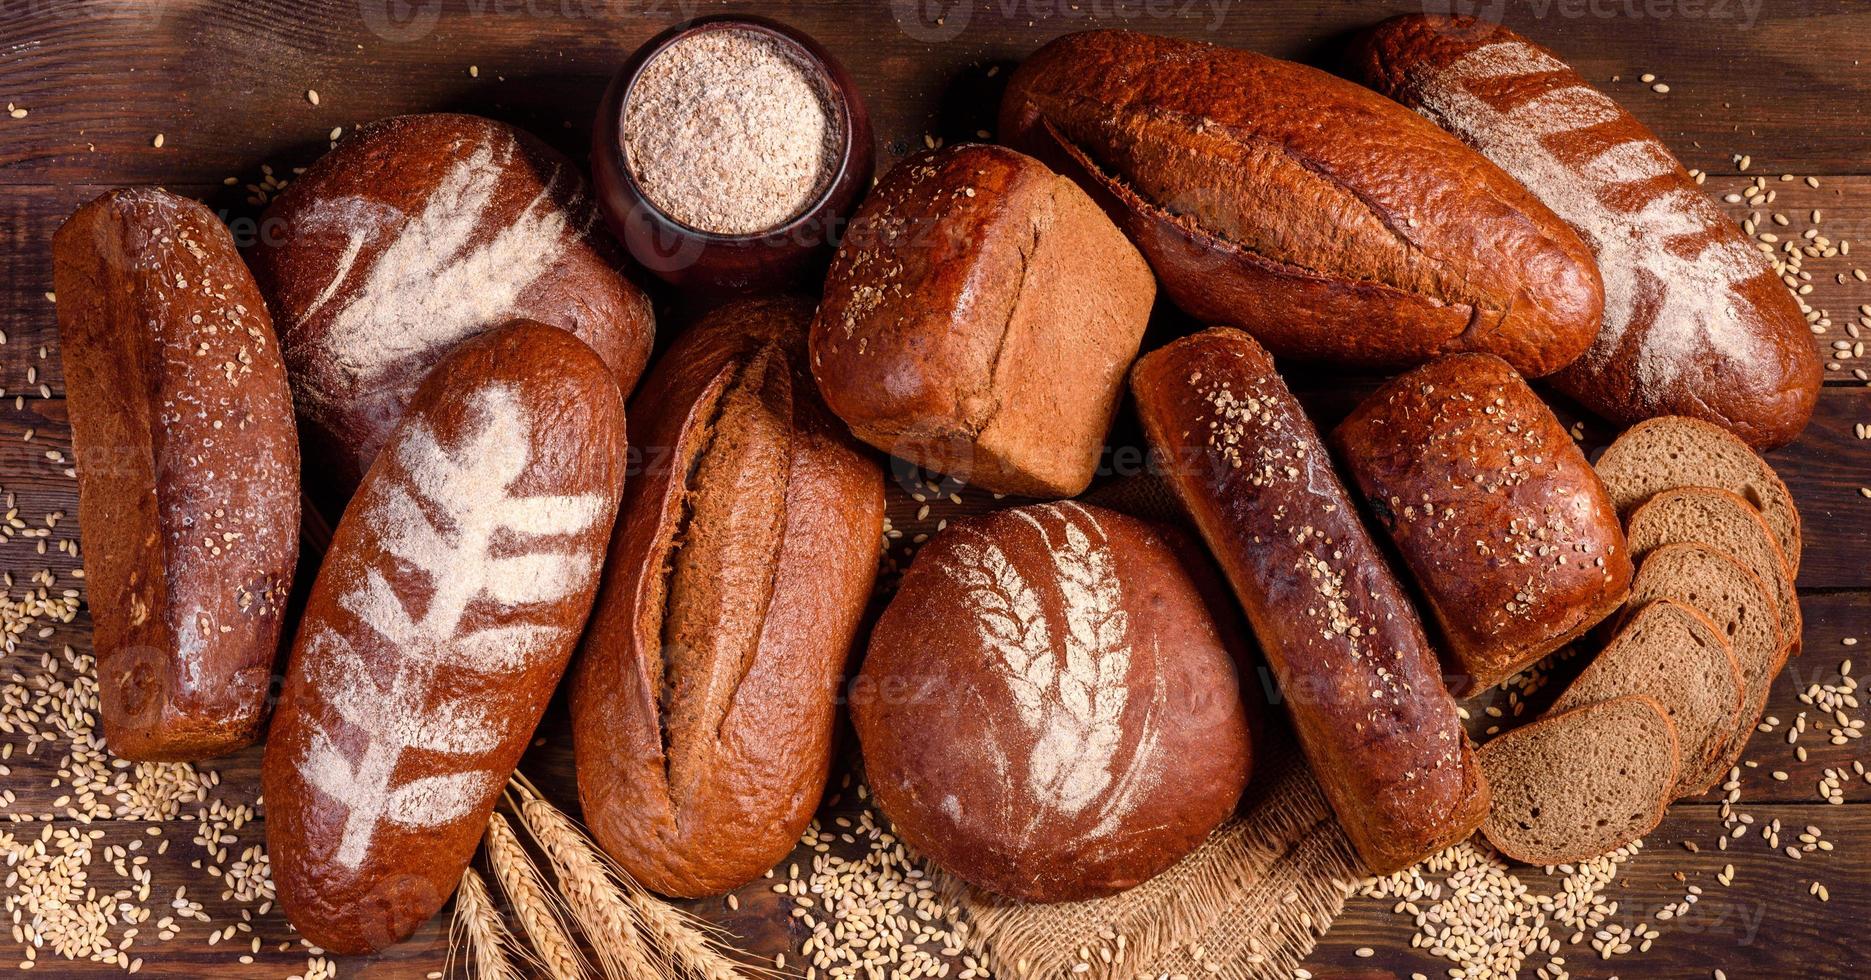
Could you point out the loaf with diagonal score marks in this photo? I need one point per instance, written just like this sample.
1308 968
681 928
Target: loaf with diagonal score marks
1696 320
441 621
705 697
1357 674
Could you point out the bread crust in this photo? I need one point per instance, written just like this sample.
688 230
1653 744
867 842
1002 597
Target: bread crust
1289 202
414 234
978 320
441 621
705 699
1696 321
188 471
1047 708
1359 676
1505 527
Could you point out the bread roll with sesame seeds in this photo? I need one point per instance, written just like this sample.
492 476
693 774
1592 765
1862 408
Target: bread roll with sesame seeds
1358 675
1507 530
188 471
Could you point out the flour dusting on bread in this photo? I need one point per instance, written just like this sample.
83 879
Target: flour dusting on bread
467 551
1665 270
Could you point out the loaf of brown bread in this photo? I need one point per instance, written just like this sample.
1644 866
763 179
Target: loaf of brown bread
416 233
978 320
441 621
1359 677
1047 709
1696 321
1328 221
1502 522
704 701
188 471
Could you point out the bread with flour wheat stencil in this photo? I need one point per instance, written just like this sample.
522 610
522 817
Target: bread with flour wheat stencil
1696 321
1048 708
441 621
411 236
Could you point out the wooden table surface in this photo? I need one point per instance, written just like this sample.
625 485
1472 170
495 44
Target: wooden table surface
189 94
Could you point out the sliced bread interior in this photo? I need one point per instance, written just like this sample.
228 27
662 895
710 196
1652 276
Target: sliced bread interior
1671 653
1572 786
1672 451
1740 606
1726 522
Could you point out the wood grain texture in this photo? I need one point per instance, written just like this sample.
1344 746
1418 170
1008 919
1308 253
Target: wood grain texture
226 83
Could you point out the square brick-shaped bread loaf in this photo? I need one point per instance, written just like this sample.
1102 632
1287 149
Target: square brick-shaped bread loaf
1504 525
978 320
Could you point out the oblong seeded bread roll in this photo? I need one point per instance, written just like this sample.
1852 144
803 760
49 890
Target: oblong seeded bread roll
1696 320
1290 202
1498 517
1048 709
1739 604
1675 655
1575 785
1724 521
1675 451
978 320
412 235
188 471
705 699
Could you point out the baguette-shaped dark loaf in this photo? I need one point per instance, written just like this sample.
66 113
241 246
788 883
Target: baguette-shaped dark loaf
1358 676
1696 321
1505 527
442 619
704 702
188 471
1326 220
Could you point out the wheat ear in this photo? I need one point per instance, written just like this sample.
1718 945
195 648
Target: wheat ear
486 935
539 911
597 900
688 941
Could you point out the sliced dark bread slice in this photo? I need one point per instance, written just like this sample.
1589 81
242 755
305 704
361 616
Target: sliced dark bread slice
1572 786
1727 523
1672 451
1672 653
1737 602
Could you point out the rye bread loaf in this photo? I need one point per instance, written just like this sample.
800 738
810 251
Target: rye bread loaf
441 620
1674 451
1729 524
1575 785
1496 513
704 703
1278 198
1696 321
1047 709
1674 655
1357 673
416 233
1737 602
188 471
978 320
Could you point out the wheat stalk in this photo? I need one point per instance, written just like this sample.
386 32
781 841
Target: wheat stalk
486 934
690 942
539 911
596 898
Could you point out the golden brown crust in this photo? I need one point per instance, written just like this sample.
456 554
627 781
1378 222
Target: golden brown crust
188 471
978 320
442 619
1354 666
1505 527
704 701
1047 708
1696 321
414 234
1289 202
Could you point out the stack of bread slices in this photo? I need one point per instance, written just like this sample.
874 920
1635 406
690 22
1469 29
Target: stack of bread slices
1665 708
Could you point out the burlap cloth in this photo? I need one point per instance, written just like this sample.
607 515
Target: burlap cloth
1250 903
